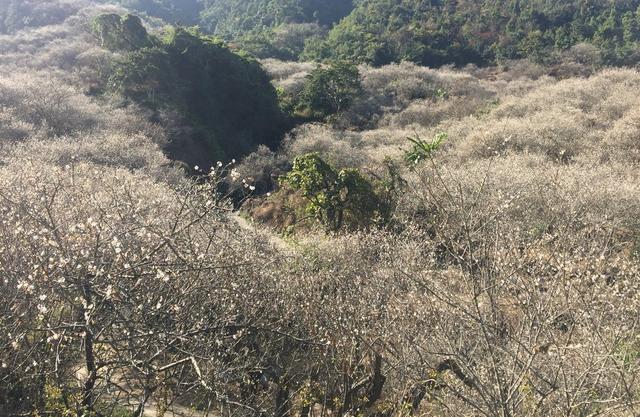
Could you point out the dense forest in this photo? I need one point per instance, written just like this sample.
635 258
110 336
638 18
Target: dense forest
450 31
266 28
429 33
305 208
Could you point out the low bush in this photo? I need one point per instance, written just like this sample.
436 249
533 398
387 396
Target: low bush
337 199
329 91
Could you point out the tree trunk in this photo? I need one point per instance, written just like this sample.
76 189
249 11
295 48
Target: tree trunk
90 361
377 382
282 401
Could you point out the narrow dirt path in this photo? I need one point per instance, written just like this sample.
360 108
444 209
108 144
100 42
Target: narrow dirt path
276 241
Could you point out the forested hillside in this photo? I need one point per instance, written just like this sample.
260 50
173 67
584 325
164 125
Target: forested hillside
183 12
266 28
233 18
450 31
430 33
187 230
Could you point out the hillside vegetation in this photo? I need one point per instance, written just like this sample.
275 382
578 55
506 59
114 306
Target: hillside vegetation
237 17
266 28
186 230
431 33
227 99
183 12
443 32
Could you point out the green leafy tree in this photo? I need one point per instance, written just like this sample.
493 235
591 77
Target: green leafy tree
336 199
329 90
630 27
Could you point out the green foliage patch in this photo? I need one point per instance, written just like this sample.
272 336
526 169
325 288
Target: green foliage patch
227 98
329 90
423 150
121 33
184 12
233 18
434 33
337 199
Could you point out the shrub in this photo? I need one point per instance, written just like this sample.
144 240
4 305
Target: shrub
328 91
259 169
339 148
336 199
391 89
279 71
136 273
422 150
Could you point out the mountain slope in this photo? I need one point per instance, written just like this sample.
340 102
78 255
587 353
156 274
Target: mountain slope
226 99
233 18
428 32
437 32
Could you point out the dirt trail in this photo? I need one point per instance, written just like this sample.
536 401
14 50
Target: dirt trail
276 241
